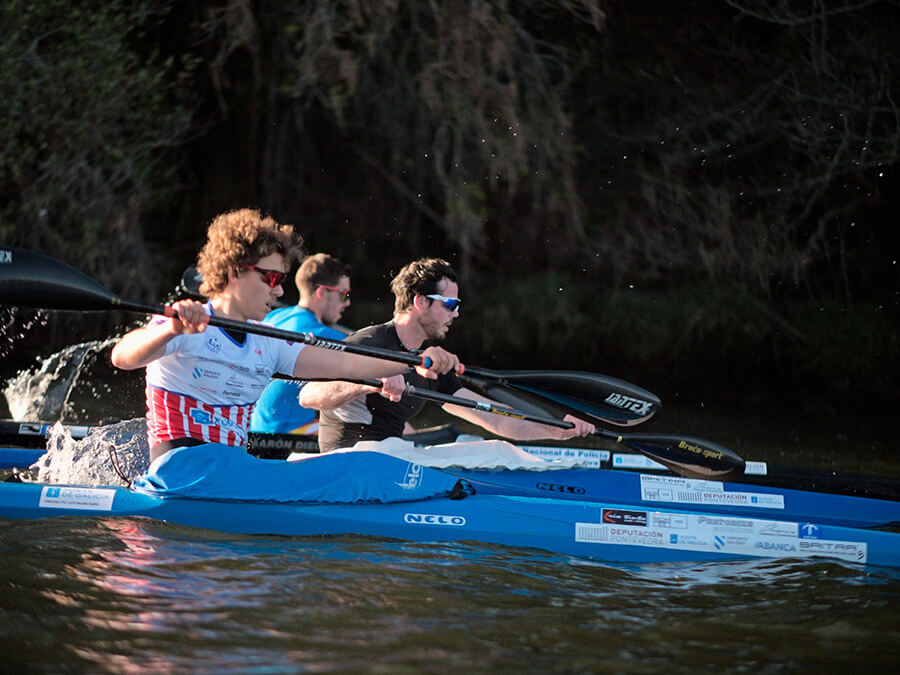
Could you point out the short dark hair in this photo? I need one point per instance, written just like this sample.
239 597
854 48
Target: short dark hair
320 268
420 277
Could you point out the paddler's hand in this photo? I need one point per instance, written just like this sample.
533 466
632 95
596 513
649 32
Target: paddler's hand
581 428
192 317
442 362
393 387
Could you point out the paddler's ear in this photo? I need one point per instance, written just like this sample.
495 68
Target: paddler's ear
420 302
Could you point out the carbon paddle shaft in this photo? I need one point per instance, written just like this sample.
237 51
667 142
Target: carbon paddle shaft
31 279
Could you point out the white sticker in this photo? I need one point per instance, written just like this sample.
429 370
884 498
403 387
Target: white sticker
636 462
734 536
755 469
88 499
690 491
585 457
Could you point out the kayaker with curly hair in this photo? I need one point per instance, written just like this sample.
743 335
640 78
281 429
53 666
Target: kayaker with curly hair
202 381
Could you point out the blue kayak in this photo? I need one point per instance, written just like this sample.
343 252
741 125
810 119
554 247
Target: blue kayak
608 532
375 495
714 497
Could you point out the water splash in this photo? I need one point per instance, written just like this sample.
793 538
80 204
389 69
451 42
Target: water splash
44 393
96 459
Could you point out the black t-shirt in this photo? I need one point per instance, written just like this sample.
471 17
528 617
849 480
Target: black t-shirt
373 417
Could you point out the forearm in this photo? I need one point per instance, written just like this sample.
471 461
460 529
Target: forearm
500 425
512 427
330 395
322 364
140 347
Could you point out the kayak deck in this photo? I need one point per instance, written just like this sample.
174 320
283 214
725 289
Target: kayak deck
667 491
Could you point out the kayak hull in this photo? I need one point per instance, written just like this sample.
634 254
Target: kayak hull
599 531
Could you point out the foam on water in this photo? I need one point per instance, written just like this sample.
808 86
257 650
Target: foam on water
93 460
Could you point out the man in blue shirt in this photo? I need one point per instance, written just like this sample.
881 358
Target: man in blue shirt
324 285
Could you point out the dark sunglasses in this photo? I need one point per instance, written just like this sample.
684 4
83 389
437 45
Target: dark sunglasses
345 295
271 277
450 304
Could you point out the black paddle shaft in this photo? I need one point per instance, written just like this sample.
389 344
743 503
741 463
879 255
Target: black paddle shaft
31 279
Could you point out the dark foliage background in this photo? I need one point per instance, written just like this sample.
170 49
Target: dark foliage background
697 194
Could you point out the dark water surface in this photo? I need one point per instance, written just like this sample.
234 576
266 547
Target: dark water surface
130 595
117 595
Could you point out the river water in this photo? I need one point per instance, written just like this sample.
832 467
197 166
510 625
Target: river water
129 595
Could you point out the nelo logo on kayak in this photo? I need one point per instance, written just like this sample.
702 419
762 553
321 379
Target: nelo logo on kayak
5 257
433 519
635 405
554 487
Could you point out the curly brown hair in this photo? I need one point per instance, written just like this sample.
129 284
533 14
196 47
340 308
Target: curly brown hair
242 237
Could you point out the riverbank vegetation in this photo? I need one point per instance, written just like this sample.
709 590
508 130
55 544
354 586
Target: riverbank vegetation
699 189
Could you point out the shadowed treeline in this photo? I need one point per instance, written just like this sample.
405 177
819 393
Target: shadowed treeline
705 189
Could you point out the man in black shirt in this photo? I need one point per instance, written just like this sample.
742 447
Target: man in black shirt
426 303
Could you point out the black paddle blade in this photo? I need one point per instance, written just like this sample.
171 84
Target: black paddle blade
190 284
30 279
690 457
582 394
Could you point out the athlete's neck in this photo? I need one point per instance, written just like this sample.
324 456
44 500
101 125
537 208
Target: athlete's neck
410 332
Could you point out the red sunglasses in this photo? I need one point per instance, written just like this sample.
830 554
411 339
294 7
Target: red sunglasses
271 277
345 295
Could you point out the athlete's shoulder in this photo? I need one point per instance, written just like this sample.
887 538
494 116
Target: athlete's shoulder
378 334
329 332
298 319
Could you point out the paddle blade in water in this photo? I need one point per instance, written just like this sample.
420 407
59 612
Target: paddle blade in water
30 279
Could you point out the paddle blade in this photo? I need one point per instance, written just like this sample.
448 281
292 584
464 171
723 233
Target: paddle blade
690 457
582 394
190 284
30 279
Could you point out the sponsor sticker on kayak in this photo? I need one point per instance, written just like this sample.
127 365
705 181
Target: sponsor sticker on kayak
590 459
84 498
734 536
632 461
691 491
412 477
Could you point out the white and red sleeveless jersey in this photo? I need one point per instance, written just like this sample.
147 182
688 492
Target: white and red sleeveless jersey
205 384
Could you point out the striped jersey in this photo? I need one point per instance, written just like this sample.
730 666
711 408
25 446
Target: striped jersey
205 385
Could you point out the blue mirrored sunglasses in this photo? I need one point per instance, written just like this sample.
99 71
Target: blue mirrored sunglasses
450 304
